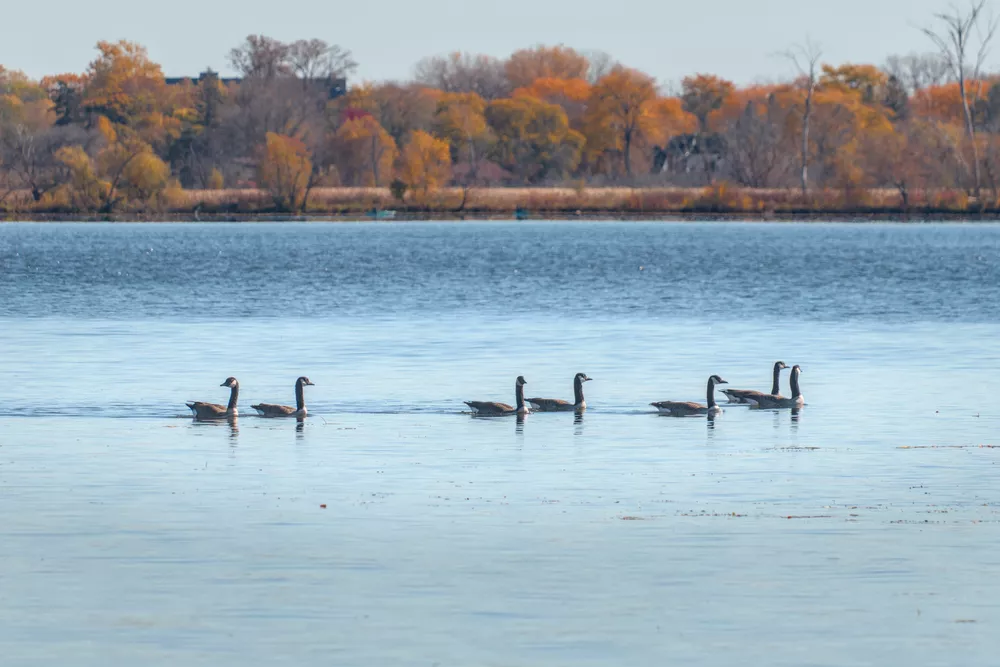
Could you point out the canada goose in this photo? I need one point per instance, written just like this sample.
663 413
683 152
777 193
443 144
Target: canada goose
489 409
779 401
684 409
272 410
748 395
214 410
559 405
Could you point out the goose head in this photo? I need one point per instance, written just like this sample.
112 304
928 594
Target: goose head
521 381
780 365
715 379
796 369
582 377
303 381
230 382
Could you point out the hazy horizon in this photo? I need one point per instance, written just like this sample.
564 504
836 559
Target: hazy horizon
668 40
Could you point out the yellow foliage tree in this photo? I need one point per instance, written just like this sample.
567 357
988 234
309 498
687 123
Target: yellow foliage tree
284 169
460 119
83 189
215 180
145 177
533 139
364 152
425 163
131 170
123 83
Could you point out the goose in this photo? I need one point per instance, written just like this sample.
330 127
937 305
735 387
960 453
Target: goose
272 410
685 409
202 410
778 401
748 395
490 409
559 405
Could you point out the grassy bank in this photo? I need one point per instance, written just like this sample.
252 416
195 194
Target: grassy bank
719 201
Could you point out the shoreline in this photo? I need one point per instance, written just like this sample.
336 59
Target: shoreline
527 216
716 203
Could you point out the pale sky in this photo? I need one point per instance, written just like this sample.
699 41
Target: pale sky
668 39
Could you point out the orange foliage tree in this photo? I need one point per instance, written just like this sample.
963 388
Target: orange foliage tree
702 94
618 113
570 94
526 66
123 83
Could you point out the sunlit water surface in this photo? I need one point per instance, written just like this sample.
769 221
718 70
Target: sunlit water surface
390 528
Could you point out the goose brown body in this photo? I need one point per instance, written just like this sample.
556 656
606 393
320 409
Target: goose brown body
203 411
275 410
492 409
750 396
689 408
772 401
559 405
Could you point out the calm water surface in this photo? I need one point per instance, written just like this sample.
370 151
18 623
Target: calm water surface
862 530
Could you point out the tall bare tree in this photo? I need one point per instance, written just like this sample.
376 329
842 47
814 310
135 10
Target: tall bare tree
805 57
963 38
314 60
464 73
917 71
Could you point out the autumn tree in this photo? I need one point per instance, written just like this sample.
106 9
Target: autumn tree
702 94
526 66
424 163
123 84
571 95
400 109
129 168
283 170
83 189
365 152
618 109
533 139
867 81
460 119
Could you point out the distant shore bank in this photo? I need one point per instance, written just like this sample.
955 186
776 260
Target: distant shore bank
717 202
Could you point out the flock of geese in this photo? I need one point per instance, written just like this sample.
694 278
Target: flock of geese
773 400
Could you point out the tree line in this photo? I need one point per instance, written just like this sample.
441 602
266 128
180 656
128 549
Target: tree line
122 136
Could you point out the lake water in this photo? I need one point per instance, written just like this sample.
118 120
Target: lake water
391 528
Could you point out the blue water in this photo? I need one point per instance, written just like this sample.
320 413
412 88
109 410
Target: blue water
861 530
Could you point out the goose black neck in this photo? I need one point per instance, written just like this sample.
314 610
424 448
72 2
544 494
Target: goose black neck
300 396
519 395
776 385
234 395
796 392
578 391
710 399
